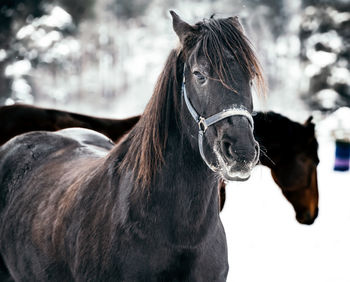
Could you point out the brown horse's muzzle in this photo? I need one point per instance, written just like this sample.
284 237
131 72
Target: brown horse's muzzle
307 217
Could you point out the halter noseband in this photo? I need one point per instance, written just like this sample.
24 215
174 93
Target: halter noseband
204 123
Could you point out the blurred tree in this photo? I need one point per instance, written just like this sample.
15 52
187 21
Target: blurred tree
14 14
325 49
78 9
9 11
127 9
276 14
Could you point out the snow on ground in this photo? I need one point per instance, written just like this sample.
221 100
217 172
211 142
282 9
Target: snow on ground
266 243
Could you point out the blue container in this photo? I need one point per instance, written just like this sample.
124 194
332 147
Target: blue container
342 155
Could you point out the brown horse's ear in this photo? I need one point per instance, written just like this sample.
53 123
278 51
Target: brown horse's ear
308 121
309 124
181 28
310 128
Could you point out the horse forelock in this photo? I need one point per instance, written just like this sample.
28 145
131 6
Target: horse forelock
223 39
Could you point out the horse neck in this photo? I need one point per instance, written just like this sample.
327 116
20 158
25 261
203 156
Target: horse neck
186 191
183 193
186 174
193 179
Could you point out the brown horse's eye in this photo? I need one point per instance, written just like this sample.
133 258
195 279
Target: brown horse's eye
303 159
200 77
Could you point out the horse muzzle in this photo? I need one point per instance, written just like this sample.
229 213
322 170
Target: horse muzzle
306 217
236 164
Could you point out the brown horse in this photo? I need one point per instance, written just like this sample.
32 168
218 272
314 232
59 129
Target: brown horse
74 207
289 148
293 162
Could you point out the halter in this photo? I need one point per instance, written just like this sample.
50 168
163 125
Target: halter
204 123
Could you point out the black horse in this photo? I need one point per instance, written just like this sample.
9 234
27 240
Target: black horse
73 208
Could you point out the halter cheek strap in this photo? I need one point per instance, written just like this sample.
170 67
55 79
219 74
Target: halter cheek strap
204 123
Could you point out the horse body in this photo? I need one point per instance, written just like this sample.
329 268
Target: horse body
80 212
147 210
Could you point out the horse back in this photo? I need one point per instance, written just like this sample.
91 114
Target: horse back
25 154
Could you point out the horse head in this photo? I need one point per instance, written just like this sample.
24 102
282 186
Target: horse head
296 173
218 69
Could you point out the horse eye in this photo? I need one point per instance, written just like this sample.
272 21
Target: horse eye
200 77
303 159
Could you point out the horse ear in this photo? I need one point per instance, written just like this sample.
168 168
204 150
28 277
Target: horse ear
310 126
309 120
181 28
309 123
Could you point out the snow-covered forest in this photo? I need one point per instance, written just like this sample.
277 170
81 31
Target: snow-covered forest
102 57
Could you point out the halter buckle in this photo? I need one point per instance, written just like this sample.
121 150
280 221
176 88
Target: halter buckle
202 124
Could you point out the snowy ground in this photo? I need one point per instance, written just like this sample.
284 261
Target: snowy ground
266 243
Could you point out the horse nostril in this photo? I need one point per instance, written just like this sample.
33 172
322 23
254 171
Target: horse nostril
243 154
227 149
